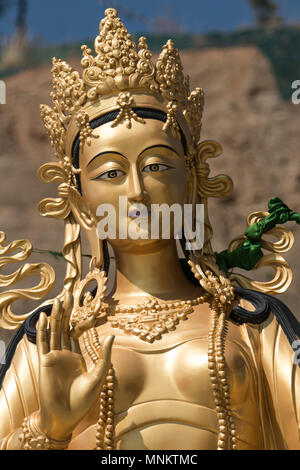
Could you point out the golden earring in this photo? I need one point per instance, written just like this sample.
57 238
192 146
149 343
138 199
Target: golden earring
88 303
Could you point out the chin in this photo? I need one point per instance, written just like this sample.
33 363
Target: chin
139 246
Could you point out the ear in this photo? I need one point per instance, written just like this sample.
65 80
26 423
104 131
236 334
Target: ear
80 210
190 192
87 221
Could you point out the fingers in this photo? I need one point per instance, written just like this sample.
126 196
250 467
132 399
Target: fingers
103 364
106 347
55 325
42 340
59 331
67 310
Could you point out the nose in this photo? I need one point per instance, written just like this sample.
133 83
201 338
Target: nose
136 190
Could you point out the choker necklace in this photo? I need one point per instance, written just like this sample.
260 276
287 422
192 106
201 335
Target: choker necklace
150 319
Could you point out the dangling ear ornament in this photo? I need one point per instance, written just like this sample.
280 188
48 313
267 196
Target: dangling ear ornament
88 302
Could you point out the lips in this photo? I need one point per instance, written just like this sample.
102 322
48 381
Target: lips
138 211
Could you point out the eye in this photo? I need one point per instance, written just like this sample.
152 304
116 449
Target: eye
154 167
111 174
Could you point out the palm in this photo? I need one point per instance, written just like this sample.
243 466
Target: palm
59 371
66 389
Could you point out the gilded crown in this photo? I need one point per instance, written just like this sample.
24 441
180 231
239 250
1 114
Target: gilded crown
119 77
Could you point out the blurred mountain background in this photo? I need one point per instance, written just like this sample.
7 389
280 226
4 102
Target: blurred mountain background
246 69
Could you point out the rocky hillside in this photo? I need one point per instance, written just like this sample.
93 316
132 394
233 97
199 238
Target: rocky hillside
259 133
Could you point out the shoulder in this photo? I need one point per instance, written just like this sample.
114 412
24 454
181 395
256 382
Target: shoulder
25 336
270 316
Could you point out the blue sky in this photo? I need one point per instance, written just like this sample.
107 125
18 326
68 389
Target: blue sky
69 20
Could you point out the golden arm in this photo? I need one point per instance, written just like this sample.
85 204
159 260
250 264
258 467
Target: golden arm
19 394
278 385
282 378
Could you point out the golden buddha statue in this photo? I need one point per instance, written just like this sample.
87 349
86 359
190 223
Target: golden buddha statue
160 361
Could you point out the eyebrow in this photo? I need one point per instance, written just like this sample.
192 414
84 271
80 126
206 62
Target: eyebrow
160 145
105 153
121 155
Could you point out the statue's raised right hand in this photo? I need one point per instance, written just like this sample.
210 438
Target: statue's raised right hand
66 389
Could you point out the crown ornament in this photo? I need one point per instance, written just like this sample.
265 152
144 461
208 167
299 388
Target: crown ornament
119 77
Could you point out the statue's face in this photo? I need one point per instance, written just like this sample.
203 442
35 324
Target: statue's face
143 163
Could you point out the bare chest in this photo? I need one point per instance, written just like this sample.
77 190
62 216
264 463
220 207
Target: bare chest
175 367
168 383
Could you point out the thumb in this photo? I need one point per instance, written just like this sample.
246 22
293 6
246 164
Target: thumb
83 326
104 361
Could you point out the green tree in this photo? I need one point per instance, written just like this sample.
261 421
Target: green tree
265 12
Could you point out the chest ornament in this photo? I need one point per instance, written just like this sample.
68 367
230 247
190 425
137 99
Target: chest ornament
150 319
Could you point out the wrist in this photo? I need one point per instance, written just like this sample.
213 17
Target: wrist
34 437
54 431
